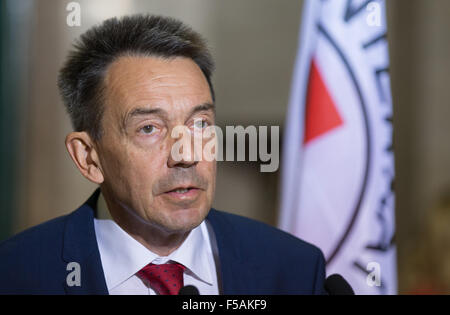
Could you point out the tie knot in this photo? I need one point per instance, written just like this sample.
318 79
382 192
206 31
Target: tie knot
165 279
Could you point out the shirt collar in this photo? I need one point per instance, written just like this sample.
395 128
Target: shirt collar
123 256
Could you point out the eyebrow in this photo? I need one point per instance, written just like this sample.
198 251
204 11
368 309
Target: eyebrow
161 112
203 108
142 112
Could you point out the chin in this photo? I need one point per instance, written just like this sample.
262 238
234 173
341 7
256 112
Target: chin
184 220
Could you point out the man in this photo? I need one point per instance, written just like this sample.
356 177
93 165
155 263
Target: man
150 228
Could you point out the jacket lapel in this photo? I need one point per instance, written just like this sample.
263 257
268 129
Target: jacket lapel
238 274
80 247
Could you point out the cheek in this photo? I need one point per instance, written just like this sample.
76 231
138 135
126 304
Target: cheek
114 171
144 170
208 170
211 167
132 169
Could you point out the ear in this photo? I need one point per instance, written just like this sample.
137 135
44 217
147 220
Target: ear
82 151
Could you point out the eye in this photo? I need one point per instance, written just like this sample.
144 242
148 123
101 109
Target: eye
200 124
148 129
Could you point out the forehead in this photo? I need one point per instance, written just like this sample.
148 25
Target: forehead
135 81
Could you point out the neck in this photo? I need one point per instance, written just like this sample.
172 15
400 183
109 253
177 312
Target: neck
153 237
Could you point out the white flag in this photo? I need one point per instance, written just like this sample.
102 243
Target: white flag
338 164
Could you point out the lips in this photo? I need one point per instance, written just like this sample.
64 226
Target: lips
183 193
182 189
189 194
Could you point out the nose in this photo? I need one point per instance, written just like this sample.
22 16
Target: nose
185 163
183 152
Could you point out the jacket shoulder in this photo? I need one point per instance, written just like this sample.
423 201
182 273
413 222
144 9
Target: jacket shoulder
290 265
31 237
258 233
26 254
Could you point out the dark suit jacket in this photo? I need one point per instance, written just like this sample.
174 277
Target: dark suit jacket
253 258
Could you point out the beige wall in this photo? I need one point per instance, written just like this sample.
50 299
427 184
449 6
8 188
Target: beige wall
420 51
254 43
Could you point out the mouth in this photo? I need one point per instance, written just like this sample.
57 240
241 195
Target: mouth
183 193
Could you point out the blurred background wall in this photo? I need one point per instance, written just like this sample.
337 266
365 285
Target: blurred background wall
254 43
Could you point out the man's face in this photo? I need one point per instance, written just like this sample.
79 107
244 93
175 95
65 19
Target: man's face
145 98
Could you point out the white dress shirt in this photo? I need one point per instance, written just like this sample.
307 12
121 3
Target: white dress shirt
122 257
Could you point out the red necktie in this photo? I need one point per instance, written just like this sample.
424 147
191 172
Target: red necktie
165 279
